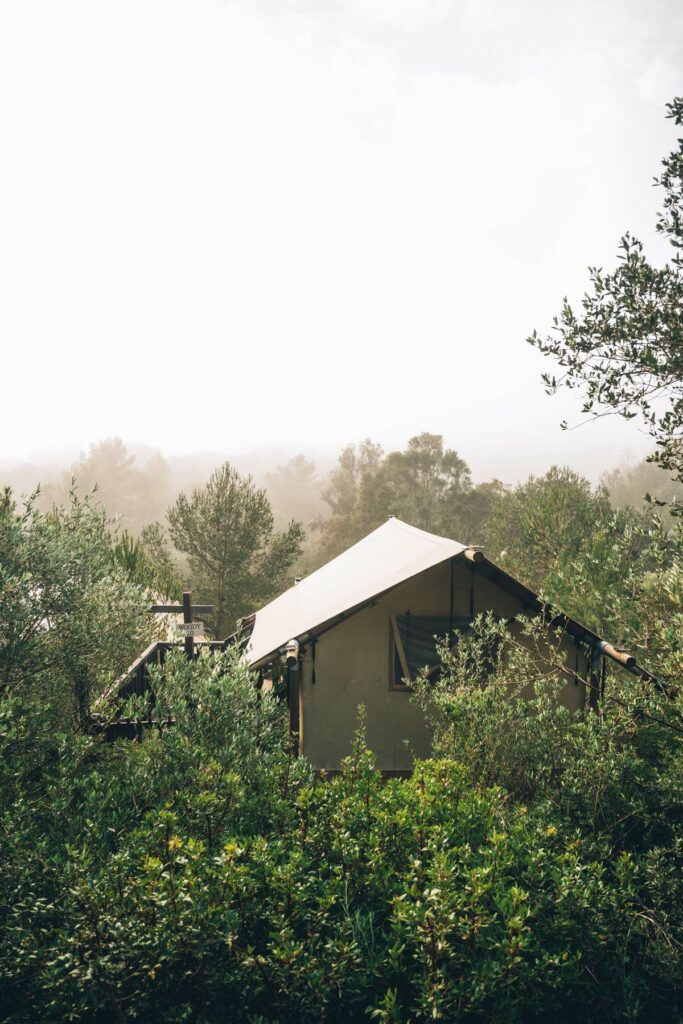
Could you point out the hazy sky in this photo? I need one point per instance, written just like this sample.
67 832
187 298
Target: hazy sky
227 225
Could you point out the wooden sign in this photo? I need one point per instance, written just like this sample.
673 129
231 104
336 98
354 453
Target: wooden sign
189 628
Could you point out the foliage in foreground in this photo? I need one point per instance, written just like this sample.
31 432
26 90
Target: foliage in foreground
71 616
204 875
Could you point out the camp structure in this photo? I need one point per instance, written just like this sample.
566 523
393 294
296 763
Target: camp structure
356 632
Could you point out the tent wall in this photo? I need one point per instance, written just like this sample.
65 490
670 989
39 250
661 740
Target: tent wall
353 666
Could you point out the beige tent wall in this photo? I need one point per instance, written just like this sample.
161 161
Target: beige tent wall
353 666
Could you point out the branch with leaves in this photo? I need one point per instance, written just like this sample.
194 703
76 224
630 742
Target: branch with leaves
624 349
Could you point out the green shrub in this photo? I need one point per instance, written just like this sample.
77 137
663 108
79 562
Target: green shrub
205 875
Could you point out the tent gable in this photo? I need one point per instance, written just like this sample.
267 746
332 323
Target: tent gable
388 556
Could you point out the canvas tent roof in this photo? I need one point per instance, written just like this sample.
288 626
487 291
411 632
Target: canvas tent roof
391 554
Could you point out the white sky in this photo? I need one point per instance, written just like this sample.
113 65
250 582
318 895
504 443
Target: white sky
291 223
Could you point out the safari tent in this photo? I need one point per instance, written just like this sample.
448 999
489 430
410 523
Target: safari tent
358 629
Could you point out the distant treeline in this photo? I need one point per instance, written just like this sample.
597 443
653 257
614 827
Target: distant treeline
425 483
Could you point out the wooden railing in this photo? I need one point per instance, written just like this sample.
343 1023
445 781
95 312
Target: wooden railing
135 682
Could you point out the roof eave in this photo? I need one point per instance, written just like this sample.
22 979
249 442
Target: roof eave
572 626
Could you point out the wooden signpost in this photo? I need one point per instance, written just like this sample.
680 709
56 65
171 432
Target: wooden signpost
187 628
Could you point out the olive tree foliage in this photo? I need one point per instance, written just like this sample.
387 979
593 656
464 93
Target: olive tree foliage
624 349
236 559
71 617
620 583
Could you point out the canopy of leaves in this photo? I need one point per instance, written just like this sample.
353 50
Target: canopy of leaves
149 561
294 491
603 567
641 483
624 351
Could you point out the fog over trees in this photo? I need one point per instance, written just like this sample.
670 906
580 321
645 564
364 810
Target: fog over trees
137 483
333 504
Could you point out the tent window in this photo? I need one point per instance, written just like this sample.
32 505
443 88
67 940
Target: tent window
415 639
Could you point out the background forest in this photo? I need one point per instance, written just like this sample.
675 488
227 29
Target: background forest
161 513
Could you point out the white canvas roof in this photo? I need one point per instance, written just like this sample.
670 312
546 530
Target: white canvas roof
392 553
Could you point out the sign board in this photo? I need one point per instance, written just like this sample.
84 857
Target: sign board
189 628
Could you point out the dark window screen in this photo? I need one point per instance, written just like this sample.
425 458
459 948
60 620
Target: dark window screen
419 635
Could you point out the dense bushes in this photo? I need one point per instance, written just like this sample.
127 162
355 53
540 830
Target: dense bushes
532 871
497 708
205 875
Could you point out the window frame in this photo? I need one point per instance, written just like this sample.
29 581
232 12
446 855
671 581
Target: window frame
396 647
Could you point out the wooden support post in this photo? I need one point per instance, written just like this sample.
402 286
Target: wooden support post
594 680
187 617
293 692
